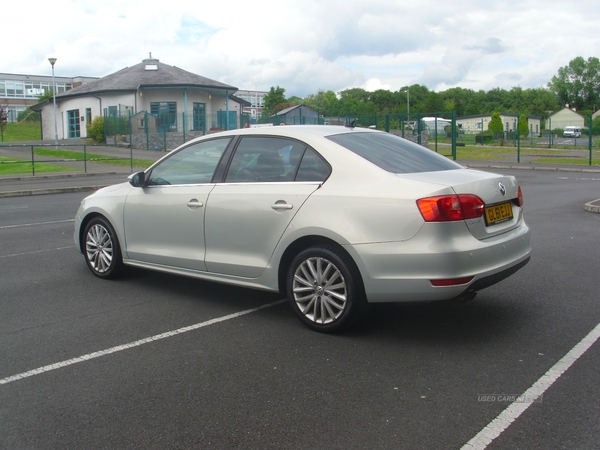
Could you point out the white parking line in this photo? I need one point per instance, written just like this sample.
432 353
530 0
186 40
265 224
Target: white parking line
36 251
497 426
129 345
35 224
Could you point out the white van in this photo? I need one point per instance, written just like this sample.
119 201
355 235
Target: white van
572 132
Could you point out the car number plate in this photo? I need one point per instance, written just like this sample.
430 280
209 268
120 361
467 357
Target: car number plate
498 213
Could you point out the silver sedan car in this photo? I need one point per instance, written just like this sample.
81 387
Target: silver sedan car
334 217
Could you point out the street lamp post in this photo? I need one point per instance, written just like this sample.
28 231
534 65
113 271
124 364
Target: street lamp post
52 61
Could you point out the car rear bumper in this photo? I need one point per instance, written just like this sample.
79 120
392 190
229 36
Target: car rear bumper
403 271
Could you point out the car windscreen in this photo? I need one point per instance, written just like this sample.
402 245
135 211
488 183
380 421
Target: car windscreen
393 153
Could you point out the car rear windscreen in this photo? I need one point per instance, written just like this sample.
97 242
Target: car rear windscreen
392 153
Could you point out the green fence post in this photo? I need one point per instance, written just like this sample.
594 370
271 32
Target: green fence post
85 158
32 162
518 131
146 130
590 142
453 132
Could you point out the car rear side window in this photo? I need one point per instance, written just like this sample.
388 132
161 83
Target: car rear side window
260 159
393 153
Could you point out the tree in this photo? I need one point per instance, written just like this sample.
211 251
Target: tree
595 126
47 95
495 125
326 103
578 84
523 126
274 98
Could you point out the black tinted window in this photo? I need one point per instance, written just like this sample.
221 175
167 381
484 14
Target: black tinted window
312 167
272 159
392 153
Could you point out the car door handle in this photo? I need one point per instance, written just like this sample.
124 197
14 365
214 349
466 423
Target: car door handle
281 206
194 204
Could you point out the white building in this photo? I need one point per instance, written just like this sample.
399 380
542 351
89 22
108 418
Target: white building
18 91
152 96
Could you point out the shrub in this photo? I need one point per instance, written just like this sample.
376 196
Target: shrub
95 129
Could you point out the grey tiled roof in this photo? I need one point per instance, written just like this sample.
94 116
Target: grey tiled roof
137 77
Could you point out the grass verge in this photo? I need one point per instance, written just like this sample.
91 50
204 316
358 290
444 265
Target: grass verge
26 131
15 166
93 157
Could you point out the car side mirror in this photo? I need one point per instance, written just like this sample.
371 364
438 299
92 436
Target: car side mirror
137 179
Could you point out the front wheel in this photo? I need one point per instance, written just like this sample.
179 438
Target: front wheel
102 252
325 289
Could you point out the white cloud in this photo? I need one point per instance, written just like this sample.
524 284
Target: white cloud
309 45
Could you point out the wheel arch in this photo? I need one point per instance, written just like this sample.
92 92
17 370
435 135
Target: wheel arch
311 241
84 224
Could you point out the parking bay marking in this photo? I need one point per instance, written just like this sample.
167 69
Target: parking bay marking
497 426
133 344
35 224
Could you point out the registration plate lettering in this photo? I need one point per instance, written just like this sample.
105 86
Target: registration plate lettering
498 213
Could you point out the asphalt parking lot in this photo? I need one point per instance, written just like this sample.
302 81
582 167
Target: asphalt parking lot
158 361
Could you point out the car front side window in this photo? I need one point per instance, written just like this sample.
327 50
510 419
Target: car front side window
195 164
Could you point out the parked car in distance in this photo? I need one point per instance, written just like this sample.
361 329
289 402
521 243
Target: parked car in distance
333 217
572 132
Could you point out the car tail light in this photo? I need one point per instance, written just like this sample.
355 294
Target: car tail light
448 208
452 281
519 200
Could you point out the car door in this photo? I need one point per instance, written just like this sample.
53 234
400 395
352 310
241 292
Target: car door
248 213
164 220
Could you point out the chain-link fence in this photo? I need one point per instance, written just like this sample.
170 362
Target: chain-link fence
166 131
441 132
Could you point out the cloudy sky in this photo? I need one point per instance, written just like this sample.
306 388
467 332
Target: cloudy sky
308 45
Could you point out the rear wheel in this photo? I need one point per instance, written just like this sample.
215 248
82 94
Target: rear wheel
325 289
102 251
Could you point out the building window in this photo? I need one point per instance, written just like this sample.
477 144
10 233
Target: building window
166 114
29 89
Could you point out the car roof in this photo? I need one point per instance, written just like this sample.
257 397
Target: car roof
295 131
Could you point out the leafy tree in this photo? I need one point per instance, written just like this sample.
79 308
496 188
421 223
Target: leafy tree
434 102
385 101
324 102
273 98
578 84
47 95
596 125
457 99
523 126
356 93
495 125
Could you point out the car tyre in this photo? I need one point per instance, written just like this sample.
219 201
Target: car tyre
101 249
325 289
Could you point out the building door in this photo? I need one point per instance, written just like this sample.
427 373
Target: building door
227 121
73 119
199 117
